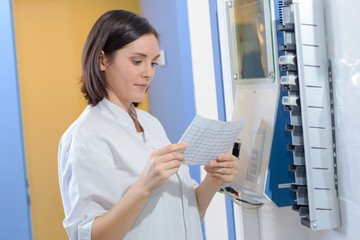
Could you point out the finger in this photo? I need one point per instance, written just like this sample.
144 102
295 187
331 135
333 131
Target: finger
226 157
171 165
222 171
171 156
170 148
172 171
223 178
164 175
224 164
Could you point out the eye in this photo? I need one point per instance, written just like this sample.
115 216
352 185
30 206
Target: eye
154 64
137 62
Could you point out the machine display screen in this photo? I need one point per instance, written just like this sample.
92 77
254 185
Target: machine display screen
250 41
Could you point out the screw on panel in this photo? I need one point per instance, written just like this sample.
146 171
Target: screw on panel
271 75
314 225
235 77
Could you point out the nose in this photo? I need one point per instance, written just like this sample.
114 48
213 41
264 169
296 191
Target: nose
148 71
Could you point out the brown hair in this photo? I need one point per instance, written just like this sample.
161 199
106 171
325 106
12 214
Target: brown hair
111 32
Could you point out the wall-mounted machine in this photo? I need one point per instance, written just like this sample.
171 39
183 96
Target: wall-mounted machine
251 86
279 80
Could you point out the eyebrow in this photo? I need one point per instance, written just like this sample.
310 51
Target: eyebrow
144 55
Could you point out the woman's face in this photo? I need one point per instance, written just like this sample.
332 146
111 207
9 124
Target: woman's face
131 70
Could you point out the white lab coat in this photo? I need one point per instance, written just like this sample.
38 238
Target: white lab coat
100 157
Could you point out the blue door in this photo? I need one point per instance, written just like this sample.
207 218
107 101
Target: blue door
14 203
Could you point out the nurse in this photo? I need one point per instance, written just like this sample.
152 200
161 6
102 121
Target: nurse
120 177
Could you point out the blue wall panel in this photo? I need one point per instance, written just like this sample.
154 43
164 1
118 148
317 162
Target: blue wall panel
220 101
171 93
14 206
280 158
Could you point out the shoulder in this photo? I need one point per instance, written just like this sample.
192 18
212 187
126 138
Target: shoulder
82 128
84 138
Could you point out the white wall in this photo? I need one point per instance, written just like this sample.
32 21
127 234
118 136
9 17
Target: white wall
343 39
205 100
343 24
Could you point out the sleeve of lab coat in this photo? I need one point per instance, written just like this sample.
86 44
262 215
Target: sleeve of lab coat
87 173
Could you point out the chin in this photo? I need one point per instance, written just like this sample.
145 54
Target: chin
138 100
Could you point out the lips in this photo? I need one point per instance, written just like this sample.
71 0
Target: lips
142 86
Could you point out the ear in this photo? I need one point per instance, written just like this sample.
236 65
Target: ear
102 61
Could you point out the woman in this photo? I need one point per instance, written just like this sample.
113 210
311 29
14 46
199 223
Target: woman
120 177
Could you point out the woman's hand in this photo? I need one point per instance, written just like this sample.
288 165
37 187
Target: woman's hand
223 170
162 164
220 172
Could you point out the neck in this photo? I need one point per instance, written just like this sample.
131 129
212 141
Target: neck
138 127
126 106
114 99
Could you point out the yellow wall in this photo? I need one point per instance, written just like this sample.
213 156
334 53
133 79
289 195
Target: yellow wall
49 38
